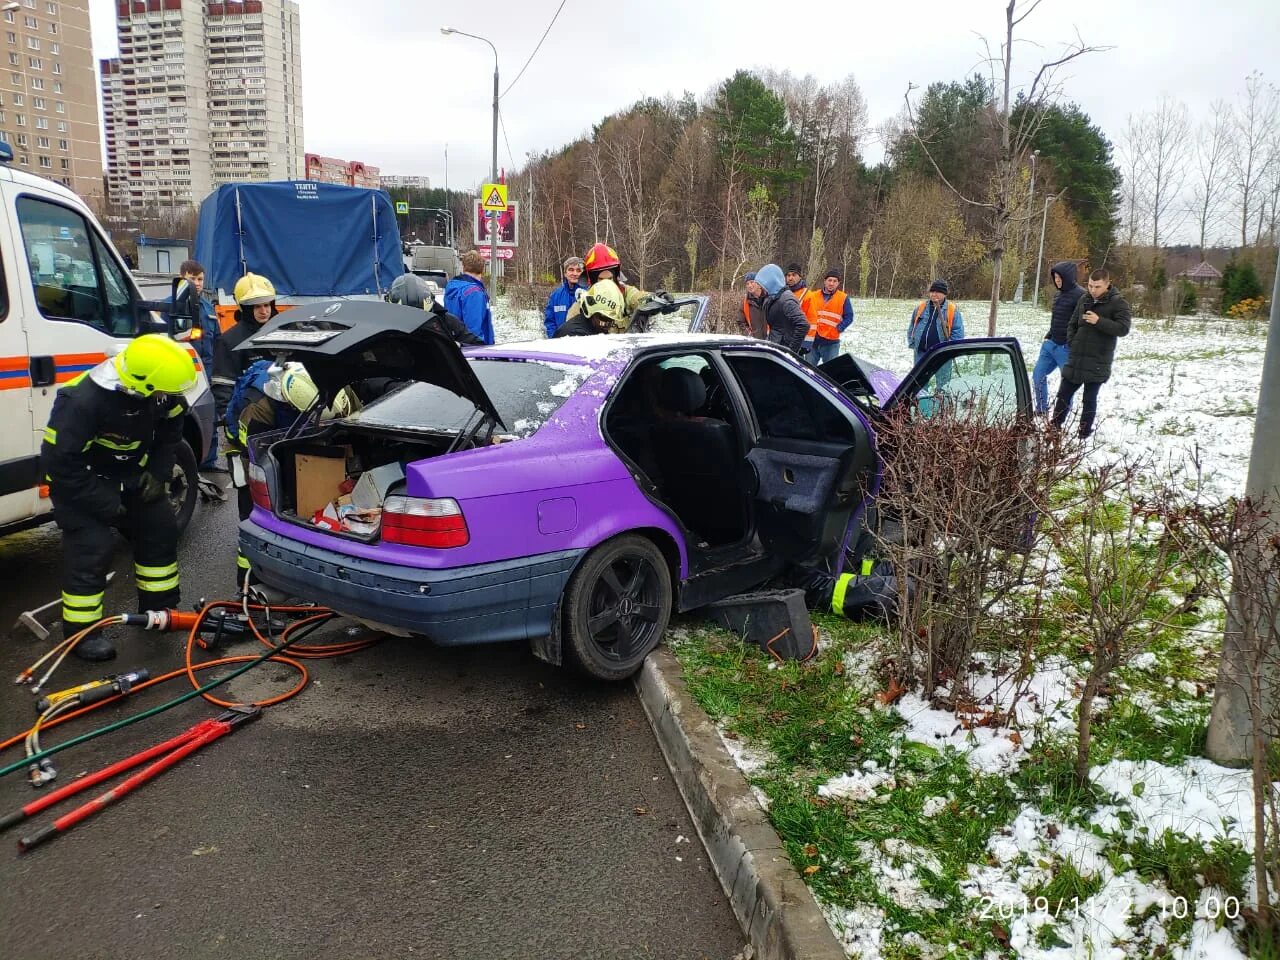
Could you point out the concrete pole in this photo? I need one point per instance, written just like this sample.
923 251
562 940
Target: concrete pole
1044 220
1229 737
493 221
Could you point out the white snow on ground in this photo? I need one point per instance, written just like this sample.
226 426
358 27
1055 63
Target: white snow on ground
1047 700
859 785
1198 799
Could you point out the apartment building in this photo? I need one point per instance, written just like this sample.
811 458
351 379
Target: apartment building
353 173
210 93
400 182
48 92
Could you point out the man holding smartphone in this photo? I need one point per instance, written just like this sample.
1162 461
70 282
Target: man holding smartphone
1101 317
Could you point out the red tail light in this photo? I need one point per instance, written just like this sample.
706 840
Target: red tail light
420 522
258 489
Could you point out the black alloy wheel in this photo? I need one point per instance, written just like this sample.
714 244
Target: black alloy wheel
617 607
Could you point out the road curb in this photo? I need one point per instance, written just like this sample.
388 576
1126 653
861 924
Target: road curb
778 913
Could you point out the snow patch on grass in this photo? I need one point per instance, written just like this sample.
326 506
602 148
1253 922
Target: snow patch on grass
1044 702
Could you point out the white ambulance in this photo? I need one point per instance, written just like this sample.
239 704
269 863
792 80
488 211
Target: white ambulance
66 303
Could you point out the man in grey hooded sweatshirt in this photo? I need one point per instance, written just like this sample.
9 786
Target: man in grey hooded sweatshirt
787 323
1053 351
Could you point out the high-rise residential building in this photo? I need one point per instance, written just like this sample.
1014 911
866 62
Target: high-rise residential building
48 93
113 133
210 93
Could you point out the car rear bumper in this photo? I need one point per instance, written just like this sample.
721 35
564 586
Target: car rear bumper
483 603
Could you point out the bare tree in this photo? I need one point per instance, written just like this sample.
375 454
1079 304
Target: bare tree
640 216
1213 145
1253 135
1016 133
1133 168
1167 156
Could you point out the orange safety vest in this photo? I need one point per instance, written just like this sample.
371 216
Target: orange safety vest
825 315
809 310
947 324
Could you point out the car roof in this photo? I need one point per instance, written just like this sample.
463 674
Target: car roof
597 349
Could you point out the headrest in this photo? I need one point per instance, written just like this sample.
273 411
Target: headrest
682 390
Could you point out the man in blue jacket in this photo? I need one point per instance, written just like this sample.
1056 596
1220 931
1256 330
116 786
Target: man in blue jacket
563 297
466 298
1053 351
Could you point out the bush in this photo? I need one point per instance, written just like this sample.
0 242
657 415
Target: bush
1189 299
1248 309
1239 282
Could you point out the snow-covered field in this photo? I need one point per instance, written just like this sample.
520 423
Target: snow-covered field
1181 389
1178 385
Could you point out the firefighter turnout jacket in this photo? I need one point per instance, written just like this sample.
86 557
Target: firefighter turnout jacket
100 439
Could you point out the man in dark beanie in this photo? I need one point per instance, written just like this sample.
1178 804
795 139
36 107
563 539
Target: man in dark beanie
830 313
1100 319
934 321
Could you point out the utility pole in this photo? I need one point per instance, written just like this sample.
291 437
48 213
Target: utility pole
1229 739
1044 220
493 168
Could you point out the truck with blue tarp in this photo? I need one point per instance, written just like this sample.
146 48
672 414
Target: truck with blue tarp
312 240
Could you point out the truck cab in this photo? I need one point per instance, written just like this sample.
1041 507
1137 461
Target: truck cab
66 303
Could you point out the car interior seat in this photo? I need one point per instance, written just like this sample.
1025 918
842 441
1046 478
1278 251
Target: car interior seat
699 460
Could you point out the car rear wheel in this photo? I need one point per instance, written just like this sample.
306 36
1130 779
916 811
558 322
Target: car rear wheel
181 486
617 607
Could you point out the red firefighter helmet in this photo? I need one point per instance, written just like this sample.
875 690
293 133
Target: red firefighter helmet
600 257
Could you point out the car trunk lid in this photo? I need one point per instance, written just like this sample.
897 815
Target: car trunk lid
344 341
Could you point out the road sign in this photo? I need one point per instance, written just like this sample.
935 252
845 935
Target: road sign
508 224
493 197
504 253
402 206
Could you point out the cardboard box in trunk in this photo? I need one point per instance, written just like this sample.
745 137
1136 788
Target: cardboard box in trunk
317 476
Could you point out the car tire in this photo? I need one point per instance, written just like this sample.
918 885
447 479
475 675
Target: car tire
181 485
616 608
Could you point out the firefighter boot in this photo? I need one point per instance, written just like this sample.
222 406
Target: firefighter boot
95 648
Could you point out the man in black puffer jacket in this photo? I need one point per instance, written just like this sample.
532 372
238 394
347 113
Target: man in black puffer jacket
1100 319
1053 351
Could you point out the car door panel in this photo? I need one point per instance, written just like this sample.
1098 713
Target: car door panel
987 376
812 459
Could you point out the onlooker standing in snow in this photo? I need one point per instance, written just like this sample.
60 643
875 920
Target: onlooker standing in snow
830 313
787 322
1053 351
466 298
1100 318
753 309
564 296
934 320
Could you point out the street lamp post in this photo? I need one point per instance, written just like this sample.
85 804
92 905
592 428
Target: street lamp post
493 170
1044 220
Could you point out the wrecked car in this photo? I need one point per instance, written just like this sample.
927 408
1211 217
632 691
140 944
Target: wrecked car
571 493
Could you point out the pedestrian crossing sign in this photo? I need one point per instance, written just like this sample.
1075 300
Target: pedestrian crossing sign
493 197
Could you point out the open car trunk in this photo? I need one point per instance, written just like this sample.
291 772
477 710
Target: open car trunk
337 480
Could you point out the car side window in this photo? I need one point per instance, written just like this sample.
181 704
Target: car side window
73 275
980 384
788 406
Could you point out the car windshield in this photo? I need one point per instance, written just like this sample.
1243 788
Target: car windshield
525 394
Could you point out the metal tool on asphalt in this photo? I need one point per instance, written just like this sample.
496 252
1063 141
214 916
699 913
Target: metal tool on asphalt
162 757
31 619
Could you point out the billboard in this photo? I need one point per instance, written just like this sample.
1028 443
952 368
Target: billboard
508 225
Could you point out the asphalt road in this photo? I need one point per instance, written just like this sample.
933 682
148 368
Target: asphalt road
411 802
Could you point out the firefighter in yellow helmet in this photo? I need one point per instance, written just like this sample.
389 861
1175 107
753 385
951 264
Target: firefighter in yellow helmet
108 456
600 310
256 298
638 307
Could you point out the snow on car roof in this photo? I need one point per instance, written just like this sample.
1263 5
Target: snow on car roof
599 348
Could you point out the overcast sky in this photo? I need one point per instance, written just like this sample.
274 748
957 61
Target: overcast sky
382 85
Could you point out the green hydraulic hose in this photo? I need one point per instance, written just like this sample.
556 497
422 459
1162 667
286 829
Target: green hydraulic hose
127 721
